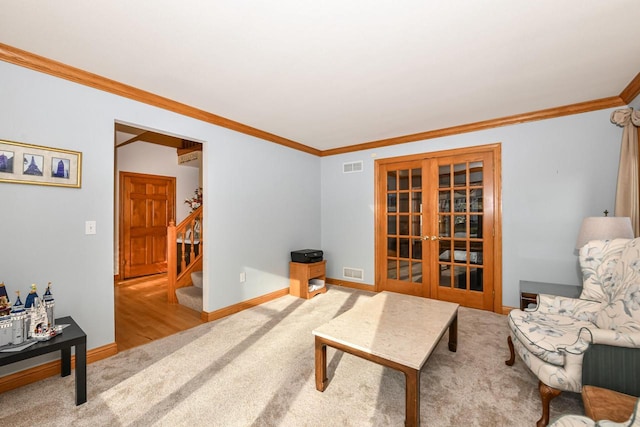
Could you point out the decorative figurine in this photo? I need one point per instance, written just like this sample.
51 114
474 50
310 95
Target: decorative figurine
24 325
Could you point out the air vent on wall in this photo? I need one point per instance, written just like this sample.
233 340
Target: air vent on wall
353 273
352 167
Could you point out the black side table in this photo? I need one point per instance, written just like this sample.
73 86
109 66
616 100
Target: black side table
71 336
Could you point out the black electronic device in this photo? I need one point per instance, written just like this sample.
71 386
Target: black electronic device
306 255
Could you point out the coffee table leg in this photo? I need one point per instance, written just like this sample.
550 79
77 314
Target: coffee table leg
81 373
321 364
412 415
453 334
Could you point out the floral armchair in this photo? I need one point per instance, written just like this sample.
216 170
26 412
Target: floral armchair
556 337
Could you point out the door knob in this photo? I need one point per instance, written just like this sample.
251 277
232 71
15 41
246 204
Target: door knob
431 237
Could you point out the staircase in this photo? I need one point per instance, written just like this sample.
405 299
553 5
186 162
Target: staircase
191 296
184 261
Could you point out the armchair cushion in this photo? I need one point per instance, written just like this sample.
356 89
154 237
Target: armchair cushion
612 275
599 261
554 326
546 335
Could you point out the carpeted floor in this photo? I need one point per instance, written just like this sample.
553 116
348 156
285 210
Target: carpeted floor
256 368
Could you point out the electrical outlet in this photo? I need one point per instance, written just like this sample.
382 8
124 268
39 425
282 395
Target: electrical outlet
90 227
243 277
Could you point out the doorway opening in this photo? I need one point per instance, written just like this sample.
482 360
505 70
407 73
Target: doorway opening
155 175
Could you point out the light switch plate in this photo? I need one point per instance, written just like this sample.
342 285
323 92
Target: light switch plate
90 227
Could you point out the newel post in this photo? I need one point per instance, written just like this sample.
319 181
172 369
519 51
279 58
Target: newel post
172 262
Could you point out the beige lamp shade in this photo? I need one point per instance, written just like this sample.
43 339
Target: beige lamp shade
604 228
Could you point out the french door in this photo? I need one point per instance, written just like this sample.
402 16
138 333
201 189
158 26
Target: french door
435 222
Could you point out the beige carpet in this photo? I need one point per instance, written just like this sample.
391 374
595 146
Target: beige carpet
256 368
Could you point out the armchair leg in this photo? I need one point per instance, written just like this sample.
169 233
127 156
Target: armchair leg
546 394
512 358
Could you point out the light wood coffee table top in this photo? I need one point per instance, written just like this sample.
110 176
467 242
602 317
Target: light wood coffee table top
394 330
396 327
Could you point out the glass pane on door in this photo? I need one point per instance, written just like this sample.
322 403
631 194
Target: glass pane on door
392 269
391 180
404 224
460 217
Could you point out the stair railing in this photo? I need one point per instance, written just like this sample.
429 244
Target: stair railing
184 252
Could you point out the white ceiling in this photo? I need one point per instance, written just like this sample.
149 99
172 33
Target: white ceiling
333 73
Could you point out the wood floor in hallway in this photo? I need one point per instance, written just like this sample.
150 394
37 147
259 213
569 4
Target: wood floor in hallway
143 313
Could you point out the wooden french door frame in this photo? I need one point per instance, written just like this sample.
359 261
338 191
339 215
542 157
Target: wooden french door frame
494 150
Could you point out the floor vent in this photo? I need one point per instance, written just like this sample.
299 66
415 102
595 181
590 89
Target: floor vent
353 273
352 167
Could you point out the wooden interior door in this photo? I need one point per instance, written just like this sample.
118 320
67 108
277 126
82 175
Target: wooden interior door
147 203
435 222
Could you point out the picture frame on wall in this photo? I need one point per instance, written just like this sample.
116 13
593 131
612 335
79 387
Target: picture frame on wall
34 164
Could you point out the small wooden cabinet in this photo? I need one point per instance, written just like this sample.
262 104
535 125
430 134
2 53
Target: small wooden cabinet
529 291
300 274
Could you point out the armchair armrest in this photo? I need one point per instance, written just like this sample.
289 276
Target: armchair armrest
580 309
591 336
614 338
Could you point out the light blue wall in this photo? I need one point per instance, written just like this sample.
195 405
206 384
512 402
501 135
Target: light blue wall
554 173
262 201
266 204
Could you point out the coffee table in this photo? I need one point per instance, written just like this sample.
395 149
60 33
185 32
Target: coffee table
394 330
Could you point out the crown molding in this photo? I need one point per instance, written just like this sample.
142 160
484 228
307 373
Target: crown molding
57 69
582 107
632 90
38 63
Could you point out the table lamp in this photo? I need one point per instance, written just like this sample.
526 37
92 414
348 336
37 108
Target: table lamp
604 228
